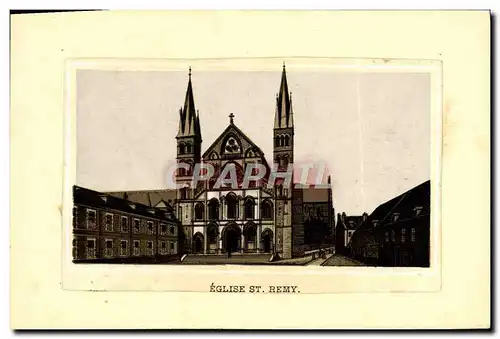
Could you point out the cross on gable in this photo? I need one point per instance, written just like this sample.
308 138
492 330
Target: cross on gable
231 118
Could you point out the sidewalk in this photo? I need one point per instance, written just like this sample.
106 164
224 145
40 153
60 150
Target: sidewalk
319 261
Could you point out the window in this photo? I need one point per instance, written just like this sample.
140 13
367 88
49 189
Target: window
180 213
109 222
137 247
413 235
393 235
277 141
386 236
124 224
137 225
91 250
249 209
150 227
287 140
123 248
395 217
403 235
418 210
267 210
213 209
149 248
163 244
199 211
172 246
108 251
181 149
163 228
232 146
184 194
91 219
375 223
232 206
188 148
172 230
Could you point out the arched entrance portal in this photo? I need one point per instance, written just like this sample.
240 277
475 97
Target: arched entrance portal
267 239
231 238
198 243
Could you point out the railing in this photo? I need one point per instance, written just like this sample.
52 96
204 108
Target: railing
320 252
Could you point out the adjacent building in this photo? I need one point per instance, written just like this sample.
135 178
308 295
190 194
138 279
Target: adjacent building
345 228
397 233
107 227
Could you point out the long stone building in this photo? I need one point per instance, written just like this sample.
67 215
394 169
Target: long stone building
107 227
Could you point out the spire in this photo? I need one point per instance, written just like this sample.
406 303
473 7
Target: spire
189 120
283 104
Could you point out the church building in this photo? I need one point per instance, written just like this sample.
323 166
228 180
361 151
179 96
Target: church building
266 216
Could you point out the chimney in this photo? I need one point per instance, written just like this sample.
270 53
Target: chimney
365 216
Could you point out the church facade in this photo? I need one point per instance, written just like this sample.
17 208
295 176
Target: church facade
265 216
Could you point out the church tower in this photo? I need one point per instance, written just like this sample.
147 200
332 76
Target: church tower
188 152
283 134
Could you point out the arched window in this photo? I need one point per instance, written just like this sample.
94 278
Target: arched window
267 210
184 193
199 211
213 209
287 140
188 148
232 206
282 141
181 149
277 141
285 162
249 208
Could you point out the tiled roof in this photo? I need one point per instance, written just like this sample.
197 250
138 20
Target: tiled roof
150 198
403 204
84 196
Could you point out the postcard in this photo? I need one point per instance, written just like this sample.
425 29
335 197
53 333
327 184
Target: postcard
215 177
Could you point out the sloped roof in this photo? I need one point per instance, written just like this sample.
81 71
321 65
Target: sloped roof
85 196
149 198
403 204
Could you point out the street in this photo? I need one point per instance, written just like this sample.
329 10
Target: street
340 260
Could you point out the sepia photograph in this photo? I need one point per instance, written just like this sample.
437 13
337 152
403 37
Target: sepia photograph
235 167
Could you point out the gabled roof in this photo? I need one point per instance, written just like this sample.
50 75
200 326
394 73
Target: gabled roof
349 222
231 128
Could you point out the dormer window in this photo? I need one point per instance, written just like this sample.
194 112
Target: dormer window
395 217
375 223
418 210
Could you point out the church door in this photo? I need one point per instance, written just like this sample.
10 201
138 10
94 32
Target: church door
267 243
232 240
198 245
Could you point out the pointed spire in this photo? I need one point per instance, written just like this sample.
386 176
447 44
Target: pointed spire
189 121
283 104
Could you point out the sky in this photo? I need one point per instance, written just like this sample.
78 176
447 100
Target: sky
372 129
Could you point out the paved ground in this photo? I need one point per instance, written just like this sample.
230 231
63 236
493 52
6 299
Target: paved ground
340 260
319 261
236 259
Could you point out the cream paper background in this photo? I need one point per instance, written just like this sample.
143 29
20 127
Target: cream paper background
456 296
